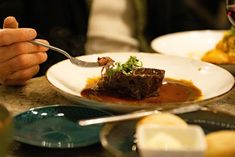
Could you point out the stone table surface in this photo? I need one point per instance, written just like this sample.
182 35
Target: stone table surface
38 92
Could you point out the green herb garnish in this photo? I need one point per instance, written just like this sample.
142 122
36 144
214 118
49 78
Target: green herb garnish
126 68
232 30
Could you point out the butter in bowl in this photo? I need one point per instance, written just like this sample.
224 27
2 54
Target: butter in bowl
170 140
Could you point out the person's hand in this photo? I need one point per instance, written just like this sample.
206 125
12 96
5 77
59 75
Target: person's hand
19 59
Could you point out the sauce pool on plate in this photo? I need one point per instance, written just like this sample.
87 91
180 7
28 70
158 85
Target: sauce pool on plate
171 91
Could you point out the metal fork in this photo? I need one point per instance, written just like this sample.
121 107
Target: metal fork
73 60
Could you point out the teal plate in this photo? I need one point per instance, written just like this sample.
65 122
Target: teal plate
56 126
119 138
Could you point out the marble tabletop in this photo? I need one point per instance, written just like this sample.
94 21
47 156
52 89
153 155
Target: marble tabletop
38 92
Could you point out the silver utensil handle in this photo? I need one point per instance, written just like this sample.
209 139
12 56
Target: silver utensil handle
51 47
134 115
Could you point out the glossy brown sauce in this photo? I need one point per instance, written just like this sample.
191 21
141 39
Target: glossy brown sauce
170 91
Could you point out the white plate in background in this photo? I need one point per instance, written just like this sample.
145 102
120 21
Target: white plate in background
190 44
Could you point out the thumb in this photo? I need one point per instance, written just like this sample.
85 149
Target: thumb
10 22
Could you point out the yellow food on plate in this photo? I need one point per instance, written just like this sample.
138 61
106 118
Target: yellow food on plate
165 119
221 144
224 51
216 56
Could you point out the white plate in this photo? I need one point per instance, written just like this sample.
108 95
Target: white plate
190 44
70 80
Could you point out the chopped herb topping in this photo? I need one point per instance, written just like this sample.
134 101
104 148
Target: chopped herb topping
232 30
126 68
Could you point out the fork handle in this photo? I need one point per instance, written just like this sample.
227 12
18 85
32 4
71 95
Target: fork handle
51 47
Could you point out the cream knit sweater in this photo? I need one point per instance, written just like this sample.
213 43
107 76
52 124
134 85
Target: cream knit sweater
112 27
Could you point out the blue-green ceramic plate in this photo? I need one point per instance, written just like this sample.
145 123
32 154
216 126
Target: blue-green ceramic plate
56 126
119 138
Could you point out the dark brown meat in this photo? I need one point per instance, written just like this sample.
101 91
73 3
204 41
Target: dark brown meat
142 83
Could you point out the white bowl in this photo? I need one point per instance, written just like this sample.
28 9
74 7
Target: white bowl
170 141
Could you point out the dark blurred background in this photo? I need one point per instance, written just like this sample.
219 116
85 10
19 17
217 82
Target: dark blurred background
209 14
